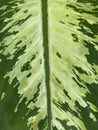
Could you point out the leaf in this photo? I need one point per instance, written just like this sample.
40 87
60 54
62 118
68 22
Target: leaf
48 64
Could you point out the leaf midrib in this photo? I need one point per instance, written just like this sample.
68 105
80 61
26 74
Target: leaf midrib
46 57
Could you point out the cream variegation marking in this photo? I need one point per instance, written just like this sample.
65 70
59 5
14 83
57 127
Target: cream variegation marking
28 27
64 23
3 96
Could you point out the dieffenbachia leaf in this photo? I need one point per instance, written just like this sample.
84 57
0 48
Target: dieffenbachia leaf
48 59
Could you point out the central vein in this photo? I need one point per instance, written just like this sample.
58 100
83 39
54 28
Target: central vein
46 56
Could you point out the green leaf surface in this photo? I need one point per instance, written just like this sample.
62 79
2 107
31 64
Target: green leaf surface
48 65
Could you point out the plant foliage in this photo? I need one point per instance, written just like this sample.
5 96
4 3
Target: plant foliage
49 64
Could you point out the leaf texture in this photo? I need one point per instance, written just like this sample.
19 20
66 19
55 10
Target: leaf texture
73 65
22 49
74 68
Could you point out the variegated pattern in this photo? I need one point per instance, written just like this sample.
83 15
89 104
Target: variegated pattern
74 66
73 62
22 49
